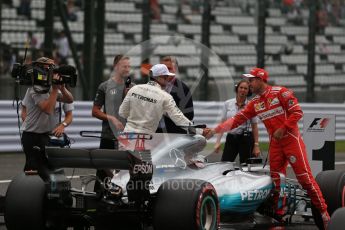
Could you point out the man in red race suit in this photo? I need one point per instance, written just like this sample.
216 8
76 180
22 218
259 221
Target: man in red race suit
279 110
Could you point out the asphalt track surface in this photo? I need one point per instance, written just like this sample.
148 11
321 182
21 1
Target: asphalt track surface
12 164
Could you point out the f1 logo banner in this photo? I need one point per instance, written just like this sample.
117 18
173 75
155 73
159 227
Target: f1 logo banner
319 137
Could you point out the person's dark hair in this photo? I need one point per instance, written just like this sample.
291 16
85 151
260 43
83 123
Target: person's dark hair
169 58
239 83
118 58
151 76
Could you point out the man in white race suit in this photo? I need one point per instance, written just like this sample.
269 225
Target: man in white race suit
145 104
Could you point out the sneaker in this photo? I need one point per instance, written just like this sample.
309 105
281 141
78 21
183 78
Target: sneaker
325 218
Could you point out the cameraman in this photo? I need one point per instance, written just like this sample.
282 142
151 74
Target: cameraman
39 120
59 126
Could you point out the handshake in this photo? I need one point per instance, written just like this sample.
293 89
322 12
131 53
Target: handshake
208 133
201 130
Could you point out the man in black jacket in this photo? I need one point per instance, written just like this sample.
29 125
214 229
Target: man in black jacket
182 96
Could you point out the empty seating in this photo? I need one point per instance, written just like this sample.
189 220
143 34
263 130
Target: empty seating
272 12
73 26
294 30
334 30
339 39
235 20
214 72
129 28
38 4
113 38
221 72
220 10
115 49
215 60
128 17
175 50
194 18
235 49
15 37
270 39
196 29
159 28
120 6
189 29
220 39
294 59
336 58
18 25
298 49
8 13
277 69
288 80
276 21
242 60
78 37
38 14
188 61
157 38
305 13
170 2
245 30
168 18
170 9
319 69
332 79
328 48
319 39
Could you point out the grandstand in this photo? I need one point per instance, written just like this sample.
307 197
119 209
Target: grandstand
233 40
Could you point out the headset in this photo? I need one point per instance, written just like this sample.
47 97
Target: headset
239 83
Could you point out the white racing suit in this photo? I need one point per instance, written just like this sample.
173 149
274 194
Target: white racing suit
144 106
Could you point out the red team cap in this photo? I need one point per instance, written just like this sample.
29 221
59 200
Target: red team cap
257 72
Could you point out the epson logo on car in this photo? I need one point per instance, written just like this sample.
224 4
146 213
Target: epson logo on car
255 194
142 168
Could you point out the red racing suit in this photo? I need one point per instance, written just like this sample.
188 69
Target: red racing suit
278 108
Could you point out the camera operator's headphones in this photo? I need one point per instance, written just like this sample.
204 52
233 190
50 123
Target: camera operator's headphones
44 61
250 93
40 64
42 72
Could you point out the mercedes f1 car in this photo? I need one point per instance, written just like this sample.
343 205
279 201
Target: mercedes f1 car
170 186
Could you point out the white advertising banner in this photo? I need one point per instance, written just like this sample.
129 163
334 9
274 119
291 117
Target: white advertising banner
319 138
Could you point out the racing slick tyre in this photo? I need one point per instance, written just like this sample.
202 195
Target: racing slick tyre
24 203
332 186
337 220
186 204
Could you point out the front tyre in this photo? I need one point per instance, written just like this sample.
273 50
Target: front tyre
186 204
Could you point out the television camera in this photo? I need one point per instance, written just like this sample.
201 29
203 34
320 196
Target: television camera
43 74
